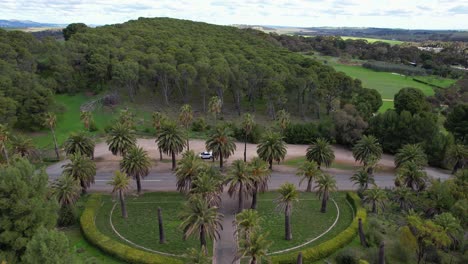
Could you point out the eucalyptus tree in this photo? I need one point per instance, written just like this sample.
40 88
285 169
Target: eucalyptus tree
288 196
158 119
221 144
240 181
272 148
368 151
121 184
136 163
326 184
457 154
260 175
171 140
199 218
121 139
248 124
80 143
50 121
185 118
308 171
82 169
321 152
187 170
4 137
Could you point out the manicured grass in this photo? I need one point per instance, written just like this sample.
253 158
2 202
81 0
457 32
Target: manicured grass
141 226
386 105
307 221
372 40
436 80
83 252
296 162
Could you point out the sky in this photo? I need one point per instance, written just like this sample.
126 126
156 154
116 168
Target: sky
406 14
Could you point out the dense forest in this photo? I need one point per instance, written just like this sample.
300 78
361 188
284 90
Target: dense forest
433 63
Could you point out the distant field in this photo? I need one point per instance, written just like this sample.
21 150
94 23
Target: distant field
372 40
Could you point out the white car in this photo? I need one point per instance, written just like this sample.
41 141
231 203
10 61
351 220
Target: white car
206 155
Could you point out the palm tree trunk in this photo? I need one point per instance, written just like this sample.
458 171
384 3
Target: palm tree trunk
271 164
220 160
160 153
162 238
324 203
374 207
173 160
287 223
245 148
5 152
241 198
55 145
458 165
83 187
123 208
362 237
138 180
203 238
254 196
299 258
309 185
382 253
188 144
253 260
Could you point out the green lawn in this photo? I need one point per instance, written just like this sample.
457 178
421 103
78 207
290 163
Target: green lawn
141 226
436 80
372 40
385 106
83 252
307 221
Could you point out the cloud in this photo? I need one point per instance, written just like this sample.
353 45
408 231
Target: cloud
461 10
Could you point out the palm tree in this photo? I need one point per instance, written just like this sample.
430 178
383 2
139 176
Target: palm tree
412 176
136 163
367 150
272 148
247 125
240 181
201 219
376 197
457 154
284 119
158 120
120 184
121 139
87 118
66 190
403 196
171 140
221 144
308 171
362 179
208 184
79 143
247 222
4 134
410 153
256 248
187 169
23 146
260 176
50 121
82 169
214 106
451 226
127 118
321 152
195 256
185 117
325 185
288 195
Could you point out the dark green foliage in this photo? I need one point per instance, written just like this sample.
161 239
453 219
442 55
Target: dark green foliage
254 136
301 133
349 125
48 246
367 102
199 125
24 207
67 216
412 100
347 256
457 122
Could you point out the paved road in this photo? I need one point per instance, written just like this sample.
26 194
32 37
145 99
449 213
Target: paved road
226 247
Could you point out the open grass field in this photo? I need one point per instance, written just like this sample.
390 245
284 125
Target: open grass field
307 221
372 40
141 226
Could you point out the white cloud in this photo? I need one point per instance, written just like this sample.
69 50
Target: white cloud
429 14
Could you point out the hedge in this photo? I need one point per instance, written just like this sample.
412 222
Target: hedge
327 248
112 247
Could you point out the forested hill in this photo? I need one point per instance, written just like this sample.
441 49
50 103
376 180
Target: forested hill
178 61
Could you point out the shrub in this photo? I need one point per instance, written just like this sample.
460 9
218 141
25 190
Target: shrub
112 247
254 137
301 133
347 256
328 247
67 216
93 127
199 125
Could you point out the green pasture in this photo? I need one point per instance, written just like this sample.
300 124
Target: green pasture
372 40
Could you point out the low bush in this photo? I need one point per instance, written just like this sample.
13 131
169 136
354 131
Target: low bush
112 247
67 216
254 137
347 256
327 248
199 125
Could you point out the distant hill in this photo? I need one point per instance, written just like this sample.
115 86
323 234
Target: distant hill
12 23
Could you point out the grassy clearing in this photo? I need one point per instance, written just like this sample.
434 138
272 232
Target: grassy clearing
296 162
307 221
436 80
141 226
386 105
372 40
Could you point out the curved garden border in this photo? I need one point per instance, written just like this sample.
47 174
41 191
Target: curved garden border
328 247
112 247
